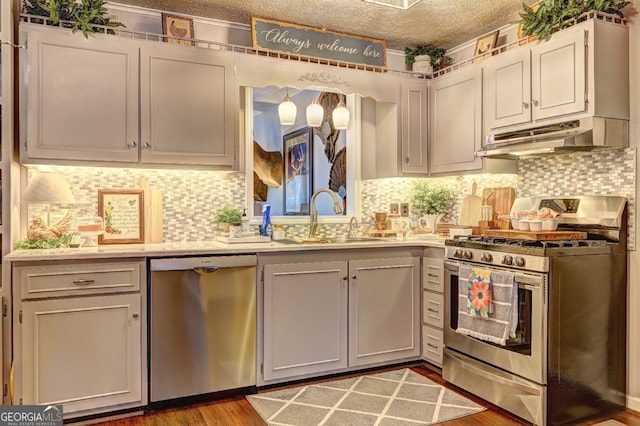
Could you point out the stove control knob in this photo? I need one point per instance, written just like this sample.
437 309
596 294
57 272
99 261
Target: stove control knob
458 253
468 254
507 260
486 257
519 261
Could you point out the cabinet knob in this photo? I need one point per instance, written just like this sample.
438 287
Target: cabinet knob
345 278
135 315
525 105
535 103
146 145
354 277
406 160
133 144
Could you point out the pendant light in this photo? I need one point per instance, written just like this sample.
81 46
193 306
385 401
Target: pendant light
340 116
315 114
287 111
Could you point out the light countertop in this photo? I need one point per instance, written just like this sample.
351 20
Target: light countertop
204 248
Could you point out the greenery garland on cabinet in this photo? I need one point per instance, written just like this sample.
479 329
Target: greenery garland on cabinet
545 17
83 15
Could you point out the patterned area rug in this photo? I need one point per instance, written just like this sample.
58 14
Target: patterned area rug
399 397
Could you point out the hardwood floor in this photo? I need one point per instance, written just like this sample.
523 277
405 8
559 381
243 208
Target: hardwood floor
237 411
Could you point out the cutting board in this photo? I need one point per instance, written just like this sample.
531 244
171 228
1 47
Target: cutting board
500 199
471 210
536 235
153 228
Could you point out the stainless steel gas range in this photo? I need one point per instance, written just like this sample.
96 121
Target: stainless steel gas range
564 356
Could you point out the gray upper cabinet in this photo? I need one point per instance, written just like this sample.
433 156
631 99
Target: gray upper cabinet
108 99
414 126
455 125
82 98
187 106
581 71
507 89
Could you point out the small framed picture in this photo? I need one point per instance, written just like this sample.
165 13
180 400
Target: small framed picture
123 213
298 173
177 28
484 45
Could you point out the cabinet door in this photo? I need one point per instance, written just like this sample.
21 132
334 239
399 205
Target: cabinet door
414 126
187 106
83 352
305 319
456 121
82 97
558 82
507 89
384 304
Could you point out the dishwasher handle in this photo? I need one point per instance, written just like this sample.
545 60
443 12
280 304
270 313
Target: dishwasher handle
203 270
206 262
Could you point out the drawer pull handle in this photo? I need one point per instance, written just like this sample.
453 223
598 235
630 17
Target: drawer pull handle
433 275
83 282
433 310
432 346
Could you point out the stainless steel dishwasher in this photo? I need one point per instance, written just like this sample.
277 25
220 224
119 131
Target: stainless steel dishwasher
202 325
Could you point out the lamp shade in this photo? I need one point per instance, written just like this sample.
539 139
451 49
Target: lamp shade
48 188
315 114
287 111
340 116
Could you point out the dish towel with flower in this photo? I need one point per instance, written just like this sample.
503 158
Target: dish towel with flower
502 319
479 292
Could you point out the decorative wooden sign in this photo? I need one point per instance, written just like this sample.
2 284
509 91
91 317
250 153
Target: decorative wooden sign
309 41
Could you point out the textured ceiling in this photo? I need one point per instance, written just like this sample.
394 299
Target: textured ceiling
446 23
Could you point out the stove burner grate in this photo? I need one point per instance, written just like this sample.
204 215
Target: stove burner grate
502 241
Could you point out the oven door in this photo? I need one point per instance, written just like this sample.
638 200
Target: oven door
524 356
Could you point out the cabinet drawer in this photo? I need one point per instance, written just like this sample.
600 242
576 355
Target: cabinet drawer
70 279
432 345
432 274
433 309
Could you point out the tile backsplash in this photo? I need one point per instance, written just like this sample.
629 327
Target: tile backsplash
190 197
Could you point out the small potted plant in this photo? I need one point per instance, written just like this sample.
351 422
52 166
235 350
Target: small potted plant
432 56
432 201
229 216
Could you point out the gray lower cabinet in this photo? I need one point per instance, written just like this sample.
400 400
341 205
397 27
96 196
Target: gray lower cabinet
79 335
329 316
433 305
305 319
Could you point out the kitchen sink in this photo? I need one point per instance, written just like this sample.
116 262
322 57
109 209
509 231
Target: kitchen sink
327 240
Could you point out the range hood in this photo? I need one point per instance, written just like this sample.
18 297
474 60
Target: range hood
567 136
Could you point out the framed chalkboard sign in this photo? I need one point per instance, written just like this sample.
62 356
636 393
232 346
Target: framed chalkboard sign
308 41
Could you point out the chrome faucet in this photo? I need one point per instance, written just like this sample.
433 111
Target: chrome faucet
337 208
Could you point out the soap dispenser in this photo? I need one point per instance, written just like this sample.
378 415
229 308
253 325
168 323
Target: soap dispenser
245 221
265 227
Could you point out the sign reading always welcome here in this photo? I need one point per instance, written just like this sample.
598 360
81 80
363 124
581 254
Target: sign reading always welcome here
308 41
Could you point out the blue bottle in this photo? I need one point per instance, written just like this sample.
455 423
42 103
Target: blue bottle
265 227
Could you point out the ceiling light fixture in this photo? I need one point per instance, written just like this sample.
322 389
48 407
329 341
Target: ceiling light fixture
398 4
340 116
315 114
287 111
